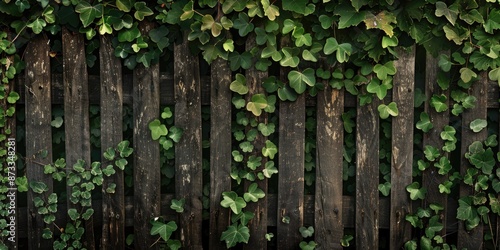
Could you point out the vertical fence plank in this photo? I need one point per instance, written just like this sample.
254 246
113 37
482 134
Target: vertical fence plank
76 112
328 225
220 150
291 153
113 205
38 131
258 225
188 162
147 182
402 148
291 172
472 239
430 177
367 176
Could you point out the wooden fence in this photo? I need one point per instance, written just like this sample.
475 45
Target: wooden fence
327 210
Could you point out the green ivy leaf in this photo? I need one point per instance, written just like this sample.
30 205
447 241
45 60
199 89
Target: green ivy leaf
478 125
187 11
384 70
22 184
494 75
415 191
266 129
88 13
243 24
349 16
343 51
467 74
439 103
448 133
142 10
73 214
269 169
157 129
254 193
483 161
299 80
269 150
233 201
165 230
311 245
451 13
258 102
236 233
244 217
124 5
57 122
239 85
388 110
385 188
306 231
431 153
424 123
379 88
178 205
39 187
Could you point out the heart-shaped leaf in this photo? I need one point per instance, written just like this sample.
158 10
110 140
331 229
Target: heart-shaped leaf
239 85
157 129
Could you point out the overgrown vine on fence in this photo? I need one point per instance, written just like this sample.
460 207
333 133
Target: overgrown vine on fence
360 35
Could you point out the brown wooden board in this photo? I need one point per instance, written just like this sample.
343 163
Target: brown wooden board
76 112
402 147
220 150
113 212
291 173
472 239
188 152
328 225
430 177
38 132
367 176
257 225
147 182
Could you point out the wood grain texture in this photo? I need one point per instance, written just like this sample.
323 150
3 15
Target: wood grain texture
220 151
328 225
367 176
76 112
188 162
38 131
402 147
113 212
146 154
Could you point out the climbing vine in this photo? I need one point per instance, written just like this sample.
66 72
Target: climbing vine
356 38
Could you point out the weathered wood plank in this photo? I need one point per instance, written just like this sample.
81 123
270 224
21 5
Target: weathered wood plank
328 225
38 131
258 225
430 177
76 112
146 106
220 150
472 239
402 147
291 172
188 162
367 176
113 226
291 154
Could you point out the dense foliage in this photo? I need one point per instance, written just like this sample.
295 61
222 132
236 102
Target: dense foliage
357 39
